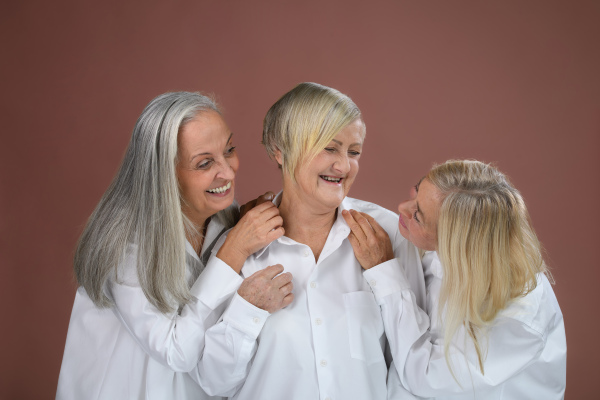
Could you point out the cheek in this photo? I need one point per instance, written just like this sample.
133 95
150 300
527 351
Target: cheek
234 163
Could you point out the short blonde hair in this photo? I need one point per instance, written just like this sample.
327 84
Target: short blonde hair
304 121
486 244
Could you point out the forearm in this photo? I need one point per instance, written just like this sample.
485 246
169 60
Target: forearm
229 348
177 340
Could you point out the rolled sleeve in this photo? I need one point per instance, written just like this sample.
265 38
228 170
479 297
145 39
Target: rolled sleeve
386 278
245 316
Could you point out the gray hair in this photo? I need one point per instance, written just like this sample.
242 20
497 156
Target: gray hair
142 206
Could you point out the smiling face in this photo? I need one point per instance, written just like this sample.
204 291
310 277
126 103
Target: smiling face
322 183
419 215
206 167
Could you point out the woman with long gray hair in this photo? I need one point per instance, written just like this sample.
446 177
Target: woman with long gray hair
492 327
148 288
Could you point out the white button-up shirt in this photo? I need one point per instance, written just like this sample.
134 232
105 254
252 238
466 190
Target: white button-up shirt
133 351
329 342
525 351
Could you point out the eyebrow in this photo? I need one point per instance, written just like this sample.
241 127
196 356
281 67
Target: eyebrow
340 143
419 184
208 153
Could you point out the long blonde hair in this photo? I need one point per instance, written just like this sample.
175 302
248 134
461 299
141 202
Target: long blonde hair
142 206
303 122
486 244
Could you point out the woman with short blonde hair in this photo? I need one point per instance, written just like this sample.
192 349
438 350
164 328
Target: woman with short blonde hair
493 327
329 343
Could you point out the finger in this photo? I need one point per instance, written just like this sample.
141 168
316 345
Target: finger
247 207
354 226
272 270
274 222
287 300
286 289
268 196
372 221
367 229
282 279
275 234
354 242
270 212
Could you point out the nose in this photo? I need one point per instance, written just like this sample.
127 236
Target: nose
342 164
225 171
405 208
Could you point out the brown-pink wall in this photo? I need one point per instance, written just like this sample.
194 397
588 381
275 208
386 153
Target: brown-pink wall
513 82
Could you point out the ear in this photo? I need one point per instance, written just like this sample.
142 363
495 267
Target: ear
279 157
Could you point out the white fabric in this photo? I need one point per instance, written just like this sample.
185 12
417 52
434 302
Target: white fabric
526 350
329 342
132 351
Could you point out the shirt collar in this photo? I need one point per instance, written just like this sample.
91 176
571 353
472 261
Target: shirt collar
214 228
339 231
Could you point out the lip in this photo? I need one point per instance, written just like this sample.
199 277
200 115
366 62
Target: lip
332 183
402 222
223 194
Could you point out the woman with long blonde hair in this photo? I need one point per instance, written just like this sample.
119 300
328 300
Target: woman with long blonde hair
492 328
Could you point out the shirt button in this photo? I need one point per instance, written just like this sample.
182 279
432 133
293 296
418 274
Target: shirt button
305 253
256 320
323 363
373 282
327 398
313 285
318 321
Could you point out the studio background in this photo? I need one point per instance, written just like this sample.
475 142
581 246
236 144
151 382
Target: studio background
510 82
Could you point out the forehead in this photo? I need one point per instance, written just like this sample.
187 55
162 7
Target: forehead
354 132
429 199
206 130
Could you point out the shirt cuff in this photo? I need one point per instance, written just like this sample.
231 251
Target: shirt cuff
216 283
245 317
386 278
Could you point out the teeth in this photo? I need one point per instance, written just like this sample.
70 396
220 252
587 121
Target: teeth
220 189
330 179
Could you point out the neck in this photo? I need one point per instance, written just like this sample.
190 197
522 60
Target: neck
305 225
196 238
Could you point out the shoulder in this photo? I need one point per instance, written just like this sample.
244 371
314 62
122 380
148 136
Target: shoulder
384 217
538 310
229 216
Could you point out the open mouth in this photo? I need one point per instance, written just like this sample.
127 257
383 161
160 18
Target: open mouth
221 189
330 179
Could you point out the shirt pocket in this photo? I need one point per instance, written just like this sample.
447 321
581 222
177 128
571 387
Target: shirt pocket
365 326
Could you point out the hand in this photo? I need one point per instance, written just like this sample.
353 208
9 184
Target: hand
371 243
268 196
267 291
257 228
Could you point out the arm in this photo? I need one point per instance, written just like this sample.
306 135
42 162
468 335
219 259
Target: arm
176 339
420 359
231 343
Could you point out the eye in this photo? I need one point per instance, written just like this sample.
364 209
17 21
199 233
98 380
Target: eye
229 151
354 153
205 164
330 149
415 216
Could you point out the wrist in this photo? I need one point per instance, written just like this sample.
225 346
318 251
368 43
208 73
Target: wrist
232 256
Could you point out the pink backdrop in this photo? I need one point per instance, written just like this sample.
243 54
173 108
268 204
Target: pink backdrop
512 82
